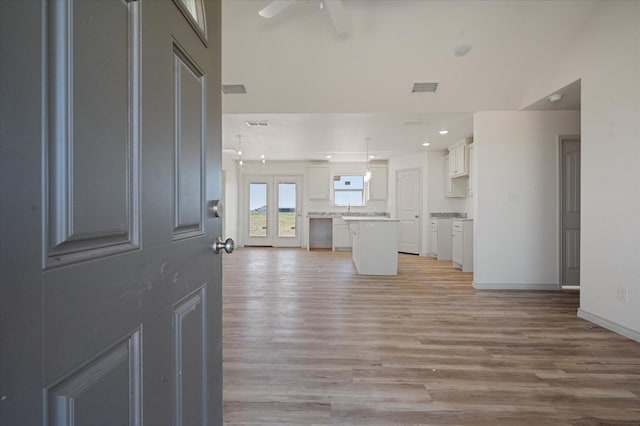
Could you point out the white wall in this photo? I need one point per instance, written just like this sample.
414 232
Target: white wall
606 57
516 201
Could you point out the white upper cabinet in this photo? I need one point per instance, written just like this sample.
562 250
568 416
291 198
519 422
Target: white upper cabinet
458 161
454 188
319 182
472 170
378 183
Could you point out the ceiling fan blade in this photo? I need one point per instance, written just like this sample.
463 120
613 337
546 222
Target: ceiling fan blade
274 8
338 15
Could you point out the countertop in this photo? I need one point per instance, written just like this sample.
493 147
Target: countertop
347 214
368 219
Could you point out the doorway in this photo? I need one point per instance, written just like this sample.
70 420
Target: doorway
408 204
273 211
569 211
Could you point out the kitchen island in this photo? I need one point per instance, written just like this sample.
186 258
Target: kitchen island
375 244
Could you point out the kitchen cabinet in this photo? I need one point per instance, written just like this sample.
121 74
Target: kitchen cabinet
454 187
472 171
441 238
318 183
378 183
458 164
375 245
433 232
462 245
341 235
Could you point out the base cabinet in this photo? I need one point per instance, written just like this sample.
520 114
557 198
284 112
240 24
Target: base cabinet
375 247
342 239
441 238
462 245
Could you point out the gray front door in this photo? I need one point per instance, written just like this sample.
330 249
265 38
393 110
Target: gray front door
570 214
110 148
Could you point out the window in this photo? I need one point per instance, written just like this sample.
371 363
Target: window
348 190
193 10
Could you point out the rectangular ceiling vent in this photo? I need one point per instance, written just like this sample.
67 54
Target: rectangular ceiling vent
234 89
412 122
428 87
257 123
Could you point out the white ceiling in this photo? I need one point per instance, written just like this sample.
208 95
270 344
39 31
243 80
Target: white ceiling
323 93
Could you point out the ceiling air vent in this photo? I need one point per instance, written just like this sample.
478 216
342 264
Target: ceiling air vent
257 123
412 122
429 87
234 89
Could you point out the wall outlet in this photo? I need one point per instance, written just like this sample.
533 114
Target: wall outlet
623 294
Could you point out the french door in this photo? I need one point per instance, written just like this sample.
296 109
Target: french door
273 211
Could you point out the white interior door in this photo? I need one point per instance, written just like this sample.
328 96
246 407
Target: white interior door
273 213
408 205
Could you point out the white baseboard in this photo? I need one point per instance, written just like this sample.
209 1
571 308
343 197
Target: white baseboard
609 325
513 286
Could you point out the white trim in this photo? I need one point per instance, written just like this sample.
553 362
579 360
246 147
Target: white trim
609 325
515 286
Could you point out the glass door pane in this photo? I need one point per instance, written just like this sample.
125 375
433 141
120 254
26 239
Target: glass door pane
286 210
258 210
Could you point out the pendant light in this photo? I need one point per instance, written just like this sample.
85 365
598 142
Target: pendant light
367 175
240 162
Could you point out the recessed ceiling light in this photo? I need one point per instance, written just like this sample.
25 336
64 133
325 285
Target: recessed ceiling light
426 143
555 97
462 48
328 157
372 157
443 132
262 156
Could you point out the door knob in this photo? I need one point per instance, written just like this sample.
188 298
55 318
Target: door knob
227 245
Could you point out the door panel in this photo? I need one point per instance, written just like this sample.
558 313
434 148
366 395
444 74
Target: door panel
92 142
111 302
570 215
408 202
190 367
80 398
189 145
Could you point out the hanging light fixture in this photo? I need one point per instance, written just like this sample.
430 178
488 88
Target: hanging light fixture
240 162
367 175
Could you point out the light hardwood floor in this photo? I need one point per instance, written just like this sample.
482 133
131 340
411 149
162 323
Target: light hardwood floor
307 341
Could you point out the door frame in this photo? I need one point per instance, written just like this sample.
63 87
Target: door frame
560 169
420 219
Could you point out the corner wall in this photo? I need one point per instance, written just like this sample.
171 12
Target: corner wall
516 202
606 57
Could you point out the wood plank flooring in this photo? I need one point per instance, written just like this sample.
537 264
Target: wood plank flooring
307 341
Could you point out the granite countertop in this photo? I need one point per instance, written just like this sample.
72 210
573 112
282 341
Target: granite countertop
368 219
447 215
348 214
